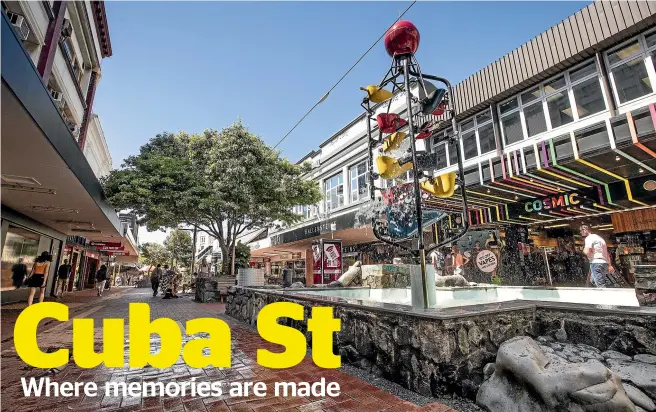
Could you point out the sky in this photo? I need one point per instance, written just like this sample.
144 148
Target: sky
202 65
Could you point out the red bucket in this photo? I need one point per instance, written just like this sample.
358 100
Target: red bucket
390 122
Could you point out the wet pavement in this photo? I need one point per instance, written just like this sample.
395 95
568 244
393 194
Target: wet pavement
356 394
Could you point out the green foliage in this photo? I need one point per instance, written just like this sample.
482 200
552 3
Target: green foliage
153 254
223 182
180 246
242 255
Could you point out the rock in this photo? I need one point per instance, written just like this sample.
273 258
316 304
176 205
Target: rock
556 346
645 358
561 335
642 375
297 285
452 280
488 370
639 398
527 379
545 339
613 354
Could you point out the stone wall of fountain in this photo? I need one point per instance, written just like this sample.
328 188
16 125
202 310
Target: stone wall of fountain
446 351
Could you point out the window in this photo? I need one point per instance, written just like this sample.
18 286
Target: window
440 149
628 68
446 156
69 51
359 176
334 188
202 241
478 132
551 104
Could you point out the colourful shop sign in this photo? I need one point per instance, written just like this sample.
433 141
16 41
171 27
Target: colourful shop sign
554 202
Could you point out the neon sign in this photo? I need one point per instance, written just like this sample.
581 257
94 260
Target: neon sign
552 202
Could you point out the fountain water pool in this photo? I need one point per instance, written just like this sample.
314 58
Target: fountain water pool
474 295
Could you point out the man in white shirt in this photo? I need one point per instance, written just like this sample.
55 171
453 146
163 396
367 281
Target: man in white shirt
602 274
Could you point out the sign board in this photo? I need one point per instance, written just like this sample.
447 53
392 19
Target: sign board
486 261
326 260
118 253
110 248
107 244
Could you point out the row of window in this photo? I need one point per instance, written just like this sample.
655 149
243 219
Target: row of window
559 101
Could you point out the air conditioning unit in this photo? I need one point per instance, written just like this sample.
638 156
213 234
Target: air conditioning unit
75 130
20 24
56 96
61 103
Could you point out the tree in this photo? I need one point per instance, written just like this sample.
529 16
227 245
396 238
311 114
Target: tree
221 182
153 254
242 255
180 247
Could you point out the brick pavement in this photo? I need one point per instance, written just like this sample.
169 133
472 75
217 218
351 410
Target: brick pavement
355 393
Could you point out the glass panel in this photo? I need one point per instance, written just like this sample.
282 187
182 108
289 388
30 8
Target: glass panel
531 95
554 85
486 138
467 125
469 145
592 138
651 40
19 244
508 106
560 111
583 71
512 128
486 116
535 121
453 154
624 53
631 80
529 158
588 98
441 156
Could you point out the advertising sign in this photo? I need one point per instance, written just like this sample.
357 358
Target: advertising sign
326 260
118 253
486 261
107 244
110 248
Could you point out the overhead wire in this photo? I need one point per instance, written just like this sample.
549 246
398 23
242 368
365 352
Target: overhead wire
325 95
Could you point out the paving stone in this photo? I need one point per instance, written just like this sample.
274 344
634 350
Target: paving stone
356 394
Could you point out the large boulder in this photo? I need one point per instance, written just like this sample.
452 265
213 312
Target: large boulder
526 378
451 280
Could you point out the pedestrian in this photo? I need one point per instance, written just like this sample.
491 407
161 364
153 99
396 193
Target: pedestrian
155 278
287 276
166 282
437 260
38 276
101 279
63 273
459 261
602 274
18 273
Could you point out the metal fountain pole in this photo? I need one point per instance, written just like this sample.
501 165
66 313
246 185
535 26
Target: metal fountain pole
417 189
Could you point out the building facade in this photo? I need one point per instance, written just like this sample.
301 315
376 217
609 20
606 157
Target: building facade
51 197
555 133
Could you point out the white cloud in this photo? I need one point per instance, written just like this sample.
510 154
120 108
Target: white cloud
157 236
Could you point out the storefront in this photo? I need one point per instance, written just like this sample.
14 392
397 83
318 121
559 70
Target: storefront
25 239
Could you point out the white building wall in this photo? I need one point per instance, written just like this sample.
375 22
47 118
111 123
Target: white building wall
96 150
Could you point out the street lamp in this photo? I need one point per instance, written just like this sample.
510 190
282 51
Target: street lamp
401 43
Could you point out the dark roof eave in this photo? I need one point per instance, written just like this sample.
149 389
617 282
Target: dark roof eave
100 19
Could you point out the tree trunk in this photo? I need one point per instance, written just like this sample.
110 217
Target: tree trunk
225 267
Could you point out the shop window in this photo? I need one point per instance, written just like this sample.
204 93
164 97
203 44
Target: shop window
498 169
19 243
440 149
628 69
469 145
588 97
334 189
621 130
486 138
563 148
592 138
529 158
359 176
535 121
485 170
472 176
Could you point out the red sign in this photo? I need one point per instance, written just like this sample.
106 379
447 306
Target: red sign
110 248
91 255
327 260
107 244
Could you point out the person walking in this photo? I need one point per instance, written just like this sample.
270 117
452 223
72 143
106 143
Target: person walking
18 273
155 278
602 274
175 283
287 276
166 282
459 261
38 276
101 279
63 273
